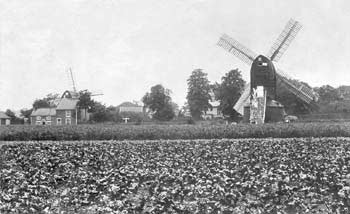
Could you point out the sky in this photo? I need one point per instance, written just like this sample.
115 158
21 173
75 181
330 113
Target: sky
124 47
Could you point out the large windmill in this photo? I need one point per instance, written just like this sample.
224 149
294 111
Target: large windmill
258 101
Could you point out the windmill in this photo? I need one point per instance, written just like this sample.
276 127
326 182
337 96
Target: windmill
74 94
258 102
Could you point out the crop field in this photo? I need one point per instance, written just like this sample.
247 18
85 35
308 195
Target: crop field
291 175
154 132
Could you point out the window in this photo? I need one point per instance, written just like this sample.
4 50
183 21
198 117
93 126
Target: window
48 123
38 118
38 123
68 121
48 117
262 64
59 121
68 113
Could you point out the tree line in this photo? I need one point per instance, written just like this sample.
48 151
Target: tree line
158 104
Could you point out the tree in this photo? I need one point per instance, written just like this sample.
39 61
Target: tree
159 102
41 103
85 105
228 93
100 113
46 102
14 119
327 94
292 104
26 112
85 101
198 95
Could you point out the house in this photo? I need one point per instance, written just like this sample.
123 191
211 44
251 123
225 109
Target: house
344 92
4 119
43 116
130 107
64 114
214 112
67 112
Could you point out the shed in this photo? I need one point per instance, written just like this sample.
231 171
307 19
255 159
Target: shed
4 119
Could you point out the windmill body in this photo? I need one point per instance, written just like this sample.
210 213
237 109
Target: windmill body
258 102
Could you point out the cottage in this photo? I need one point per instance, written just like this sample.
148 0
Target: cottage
4 119
64 114
43 116
214 112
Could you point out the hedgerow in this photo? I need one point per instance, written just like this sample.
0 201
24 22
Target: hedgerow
151 132
298 175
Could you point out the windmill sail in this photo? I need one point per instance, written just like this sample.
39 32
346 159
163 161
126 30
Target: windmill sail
284 40
237 49
243 100
299 89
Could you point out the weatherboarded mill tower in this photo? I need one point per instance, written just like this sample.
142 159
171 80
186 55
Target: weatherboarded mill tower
259 103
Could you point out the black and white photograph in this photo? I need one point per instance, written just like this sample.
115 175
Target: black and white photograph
175 106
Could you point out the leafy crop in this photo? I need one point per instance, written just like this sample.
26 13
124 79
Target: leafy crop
299 175
153 132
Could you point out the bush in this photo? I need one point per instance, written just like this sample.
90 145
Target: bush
172 131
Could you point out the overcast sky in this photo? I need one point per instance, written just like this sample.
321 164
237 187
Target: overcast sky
123 47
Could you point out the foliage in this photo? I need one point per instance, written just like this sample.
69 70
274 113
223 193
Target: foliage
138 117
198 95
85 101
14 119
100 113
292 104
305 175
159 102
327 94
41 103
172 131
333 100
46 102
228 92
26 112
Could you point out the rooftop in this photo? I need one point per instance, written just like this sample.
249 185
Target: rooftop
3 115
67 104
44 112
129 104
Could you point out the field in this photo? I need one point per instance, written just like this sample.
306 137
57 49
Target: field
153 132
291 175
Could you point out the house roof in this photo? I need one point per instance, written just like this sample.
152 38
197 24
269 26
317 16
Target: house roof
67 104
3 115
128 104
44 112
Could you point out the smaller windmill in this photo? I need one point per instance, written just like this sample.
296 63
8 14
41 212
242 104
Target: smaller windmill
74 93
258 101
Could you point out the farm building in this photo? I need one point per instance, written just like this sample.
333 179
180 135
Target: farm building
214 112
130 107
64 114
4 119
